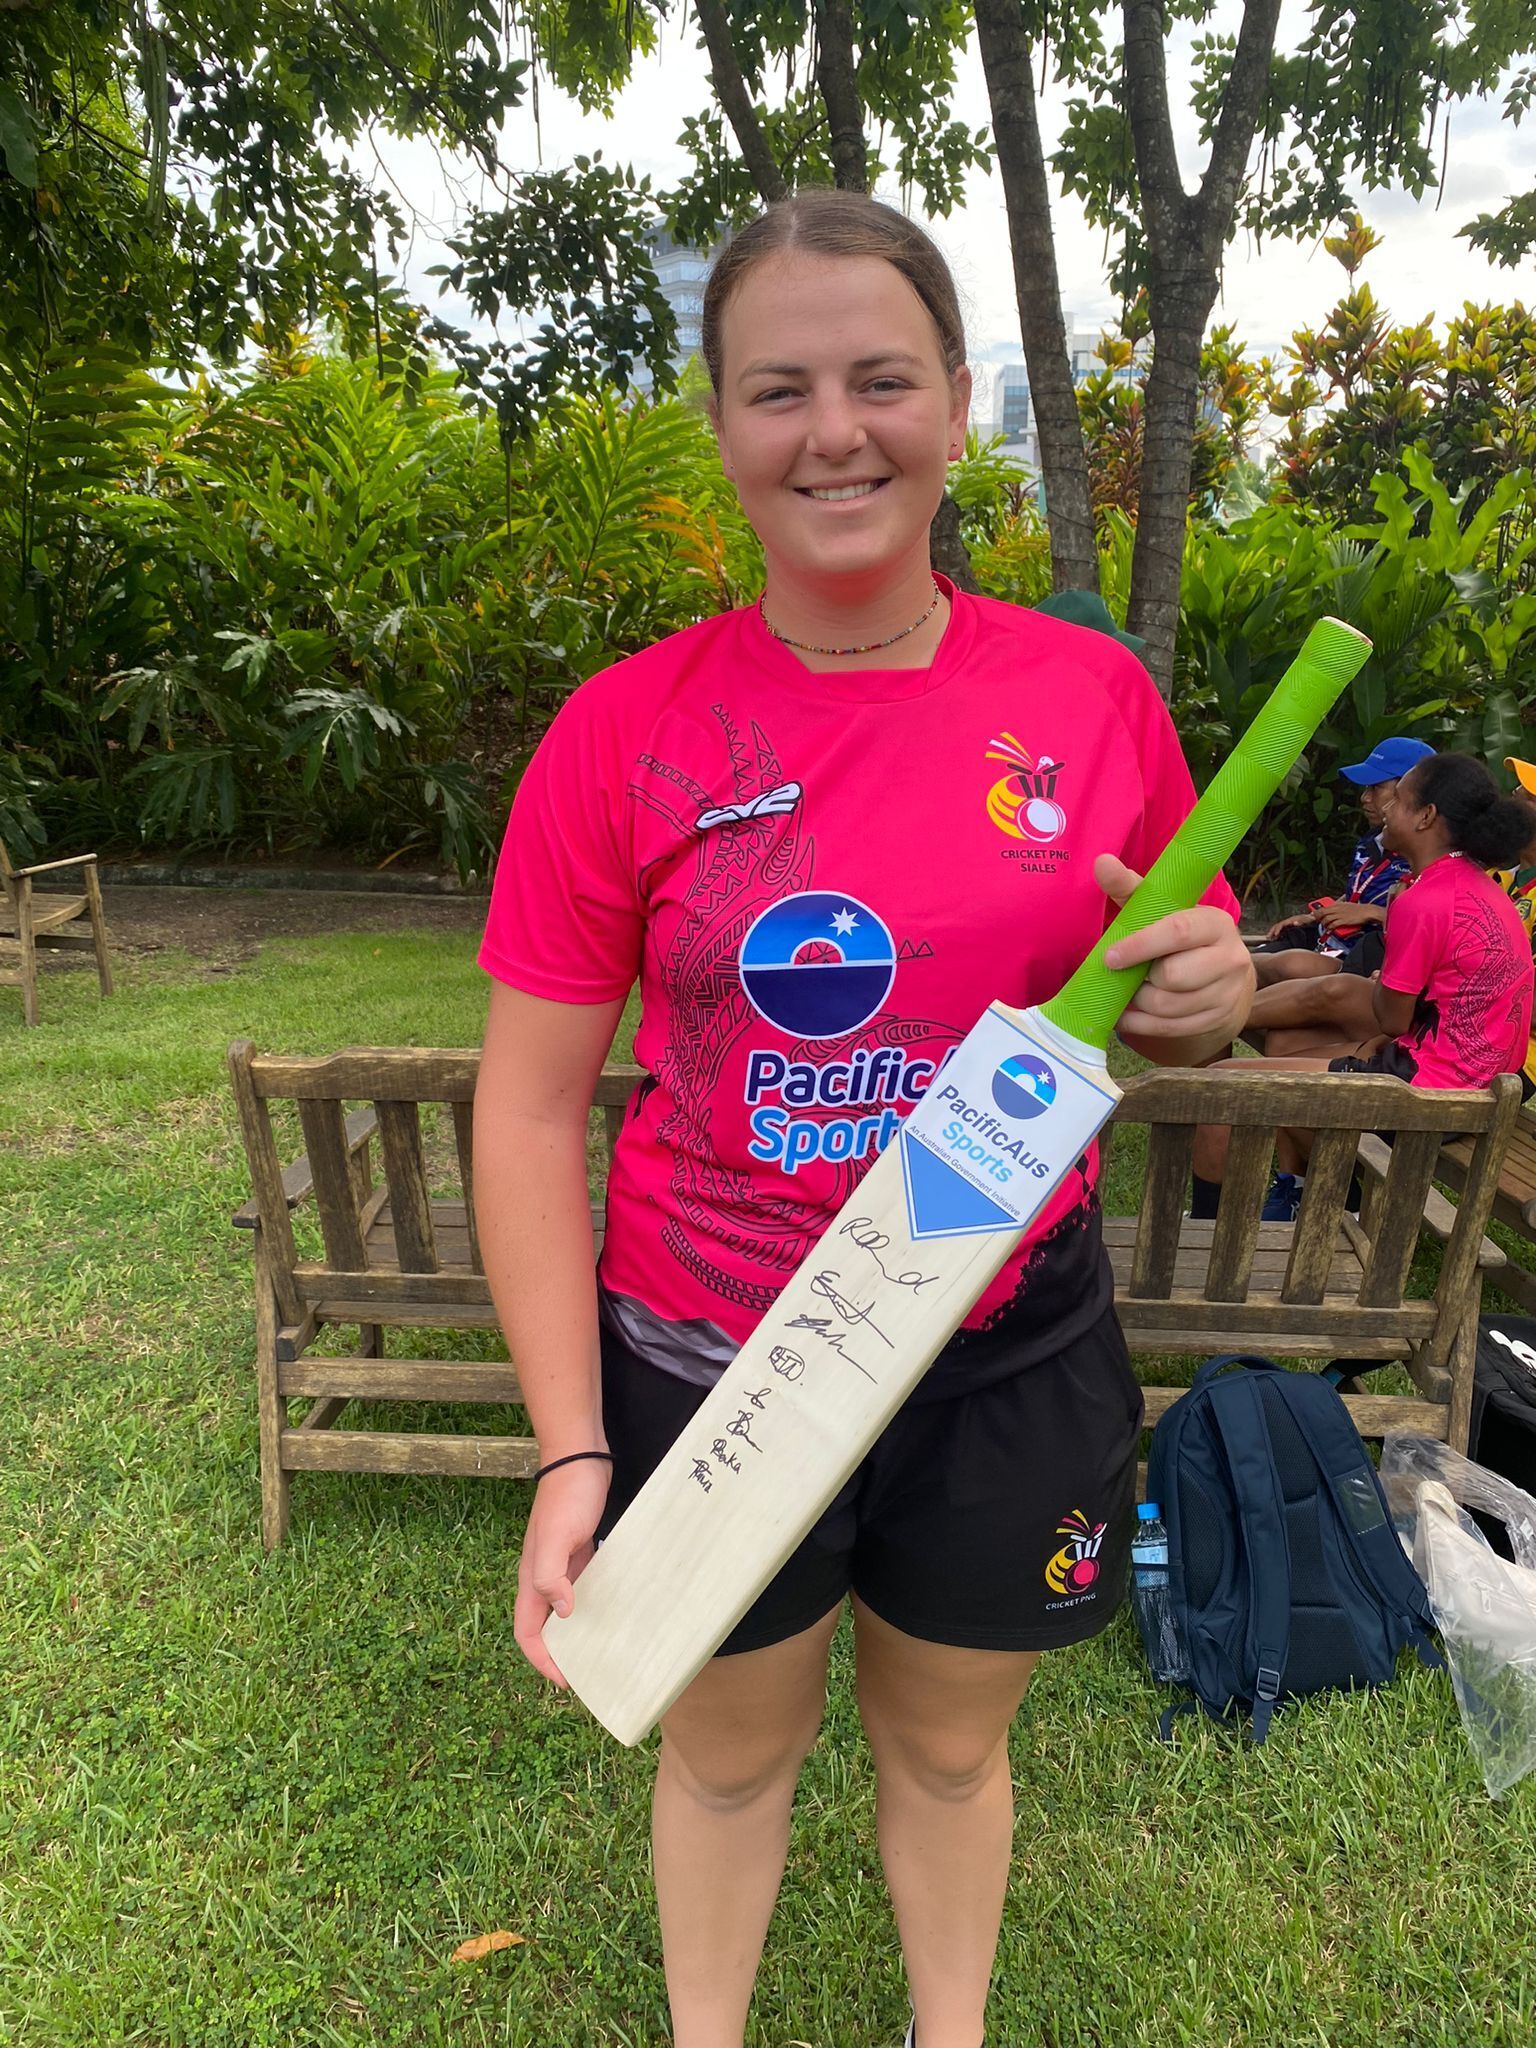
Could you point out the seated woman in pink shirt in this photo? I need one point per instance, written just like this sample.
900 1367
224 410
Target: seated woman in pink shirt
1453 1000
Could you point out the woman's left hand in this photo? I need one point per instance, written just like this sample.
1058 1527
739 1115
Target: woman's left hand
1201 981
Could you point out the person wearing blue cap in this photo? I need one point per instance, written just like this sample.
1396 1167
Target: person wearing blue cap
1345 932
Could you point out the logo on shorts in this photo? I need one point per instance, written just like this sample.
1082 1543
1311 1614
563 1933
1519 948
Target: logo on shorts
1023 803
1075 1566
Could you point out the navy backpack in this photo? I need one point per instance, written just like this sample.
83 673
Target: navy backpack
1285 1572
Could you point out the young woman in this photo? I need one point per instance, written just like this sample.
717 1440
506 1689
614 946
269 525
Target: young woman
1452 1004
822 832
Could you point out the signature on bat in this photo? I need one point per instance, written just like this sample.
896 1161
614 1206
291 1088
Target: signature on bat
868 1239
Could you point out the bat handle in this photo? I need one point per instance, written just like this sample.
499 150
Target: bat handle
1090 1003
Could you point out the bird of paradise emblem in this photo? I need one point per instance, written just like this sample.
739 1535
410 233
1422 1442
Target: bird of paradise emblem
1023 804
1075 1566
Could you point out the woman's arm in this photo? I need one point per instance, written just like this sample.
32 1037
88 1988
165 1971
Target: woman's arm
537 1072
1392 1008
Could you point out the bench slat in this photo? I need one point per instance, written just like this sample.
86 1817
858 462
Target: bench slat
1322 1199
1170 1148
410 1205
401 1379
1235 1238
325 1143
367 1450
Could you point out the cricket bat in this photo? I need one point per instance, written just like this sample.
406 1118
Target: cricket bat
895 1273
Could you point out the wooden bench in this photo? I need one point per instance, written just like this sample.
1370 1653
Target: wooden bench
400 1252
1514 1201
28 921
386 1185
1331 1284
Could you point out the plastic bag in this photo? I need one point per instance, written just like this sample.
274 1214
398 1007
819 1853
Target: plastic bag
1484 1607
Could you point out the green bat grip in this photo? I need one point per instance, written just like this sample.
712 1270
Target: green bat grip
1089 1005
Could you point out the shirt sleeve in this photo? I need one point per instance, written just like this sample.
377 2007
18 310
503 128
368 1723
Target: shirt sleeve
565 920
1169 788
1417 929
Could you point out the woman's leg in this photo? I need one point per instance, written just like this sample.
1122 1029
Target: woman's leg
1278 968
731 1751
1342 1002
937 1719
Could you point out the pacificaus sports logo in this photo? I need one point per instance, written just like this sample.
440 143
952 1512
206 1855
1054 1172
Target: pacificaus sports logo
820 965
1074 1569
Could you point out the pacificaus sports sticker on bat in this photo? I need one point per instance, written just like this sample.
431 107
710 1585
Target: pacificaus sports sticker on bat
998 1128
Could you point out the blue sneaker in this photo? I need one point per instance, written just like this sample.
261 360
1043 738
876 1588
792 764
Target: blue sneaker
1283 1199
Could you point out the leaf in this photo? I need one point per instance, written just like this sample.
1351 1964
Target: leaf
482 1945
18 138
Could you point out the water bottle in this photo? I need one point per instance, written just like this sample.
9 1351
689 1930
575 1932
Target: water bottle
1152 1596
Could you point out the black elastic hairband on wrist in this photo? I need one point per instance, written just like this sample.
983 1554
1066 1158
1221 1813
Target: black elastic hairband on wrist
570 1458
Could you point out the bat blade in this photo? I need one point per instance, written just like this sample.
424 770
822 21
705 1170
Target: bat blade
854 1330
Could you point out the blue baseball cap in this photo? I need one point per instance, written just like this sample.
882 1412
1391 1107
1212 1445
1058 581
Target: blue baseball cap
1387 762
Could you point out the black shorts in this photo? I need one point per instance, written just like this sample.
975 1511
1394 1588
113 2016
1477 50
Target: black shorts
1393 1058
1366 955
999 1520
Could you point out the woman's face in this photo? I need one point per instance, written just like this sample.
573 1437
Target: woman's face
1400 814
837 417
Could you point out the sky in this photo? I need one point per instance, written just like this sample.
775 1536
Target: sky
1422 268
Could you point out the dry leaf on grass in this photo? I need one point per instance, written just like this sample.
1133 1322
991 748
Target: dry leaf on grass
482 1944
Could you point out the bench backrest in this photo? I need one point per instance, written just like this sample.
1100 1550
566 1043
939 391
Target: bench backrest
429 1258
1171 1290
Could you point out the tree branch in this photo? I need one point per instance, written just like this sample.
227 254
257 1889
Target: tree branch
1164 202
736 101
1242 101
838 82
1005 57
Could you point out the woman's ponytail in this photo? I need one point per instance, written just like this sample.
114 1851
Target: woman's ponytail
1483 823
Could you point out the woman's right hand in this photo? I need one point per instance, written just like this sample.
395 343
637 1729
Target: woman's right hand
557 1549
1289 924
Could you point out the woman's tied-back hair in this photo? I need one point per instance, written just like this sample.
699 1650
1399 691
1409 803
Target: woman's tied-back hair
829 223
1482 821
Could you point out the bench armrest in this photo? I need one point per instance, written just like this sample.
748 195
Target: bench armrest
46 867
298 1179
1375 1155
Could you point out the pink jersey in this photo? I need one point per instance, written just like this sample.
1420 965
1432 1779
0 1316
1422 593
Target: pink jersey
820 881
1456 942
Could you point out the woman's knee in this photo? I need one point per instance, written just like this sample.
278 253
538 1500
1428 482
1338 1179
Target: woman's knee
944 1763
726 1775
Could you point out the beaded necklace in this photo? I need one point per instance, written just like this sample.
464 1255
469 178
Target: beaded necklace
869 647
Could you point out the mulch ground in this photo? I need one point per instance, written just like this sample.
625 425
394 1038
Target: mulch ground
226 926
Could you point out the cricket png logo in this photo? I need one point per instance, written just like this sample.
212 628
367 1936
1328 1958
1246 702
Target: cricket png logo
1023 804
1075 1567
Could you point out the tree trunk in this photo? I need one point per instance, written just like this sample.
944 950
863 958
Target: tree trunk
1005 56
736 102
1171 403
947 551
1185 237
837 79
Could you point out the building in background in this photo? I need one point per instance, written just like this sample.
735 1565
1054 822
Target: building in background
681 272
1013 407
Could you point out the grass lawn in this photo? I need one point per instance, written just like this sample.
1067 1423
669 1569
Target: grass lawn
254 1801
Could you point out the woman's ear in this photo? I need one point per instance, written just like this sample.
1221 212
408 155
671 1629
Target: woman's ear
959 410
712 414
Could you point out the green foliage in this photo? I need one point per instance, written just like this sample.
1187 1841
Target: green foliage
1111 403
1001 523
320 609
1454 647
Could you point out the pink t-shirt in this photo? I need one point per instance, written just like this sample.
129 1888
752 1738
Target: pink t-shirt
1455 940
820 881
